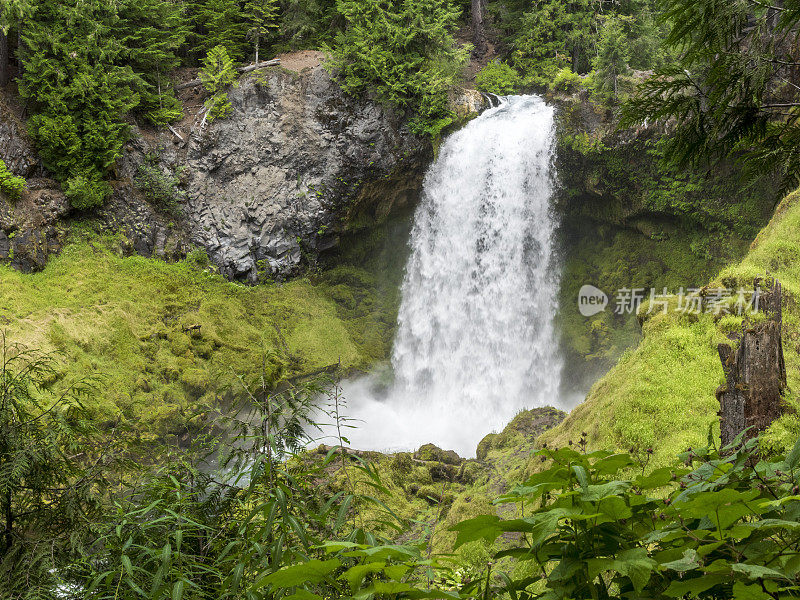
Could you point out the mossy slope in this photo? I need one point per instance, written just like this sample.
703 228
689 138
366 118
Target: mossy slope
168 340
661 395
628 220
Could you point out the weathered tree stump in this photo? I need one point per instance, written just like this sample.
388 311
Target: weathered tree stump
755 372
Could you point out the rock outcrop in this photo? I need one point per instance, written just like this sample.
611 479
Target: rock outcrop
265 190
296 163
31 227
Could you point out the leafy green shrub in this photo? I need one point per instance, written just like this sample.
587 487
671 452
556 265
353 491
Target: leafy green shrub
11 185
51 490
217 75
566 81
727 527
404 51
198 258
159 188
85 191
497 78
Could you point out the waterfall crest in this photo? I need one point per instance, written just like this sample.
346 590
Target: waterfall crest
475 341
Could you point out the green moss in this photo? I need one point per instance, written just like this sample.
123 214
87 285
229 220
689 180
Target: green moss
662 394
630 221
613 258
164 339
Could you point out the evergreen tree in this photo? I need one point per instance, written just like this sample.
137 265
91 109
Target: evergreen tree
261 15
220 23
80 93
12 12
402 49
612 58
553 35
734 89
152 32
308 23
217 74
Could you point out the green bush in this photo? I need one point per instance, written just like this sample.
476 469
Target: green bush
86 191
404 51
497 78
718 523
566 81
159 188
217 75
11 185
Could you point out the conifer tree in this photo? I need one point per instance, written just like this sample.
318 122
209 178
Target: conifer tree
261 15
220 23
612 57
79 94
405 51
152 32
733 91
217 74
306 23
12 12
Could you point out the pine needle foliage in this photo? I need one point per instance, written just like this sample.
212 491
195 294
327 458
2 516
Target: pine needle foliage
261 16
87 65
152 33
217 75
404 51
734 89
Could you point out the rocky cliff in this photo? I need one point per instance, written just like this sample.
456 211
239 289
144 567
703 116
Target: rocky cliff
277 181
272 186
30 228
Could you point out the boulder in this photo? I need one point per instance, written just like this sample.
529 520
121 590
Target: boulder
432 452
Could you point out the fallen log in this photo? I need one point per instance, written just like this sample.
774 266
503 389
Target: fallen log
247 69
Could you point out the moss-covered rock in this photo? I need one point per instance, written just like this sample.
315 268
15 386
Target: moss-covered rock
522 431
432 452
630 221
168 341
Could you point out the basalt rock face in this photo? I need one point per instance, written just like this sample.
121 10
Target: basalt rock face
296 163
264 191
31 227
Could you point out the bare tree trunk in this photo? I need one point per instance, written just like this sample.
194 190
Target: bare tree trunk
257 37
4 66
20 52
478 28
755 373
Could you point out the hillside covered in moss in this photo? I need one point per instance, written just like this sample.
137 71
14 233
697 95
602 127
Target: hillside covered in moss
671 378
168 343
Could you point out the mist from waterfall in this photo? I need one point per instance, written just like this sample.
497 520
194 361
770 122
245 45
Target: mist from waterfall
475 340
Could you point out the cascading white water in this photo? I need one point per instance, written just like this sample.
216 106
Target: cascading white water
475 341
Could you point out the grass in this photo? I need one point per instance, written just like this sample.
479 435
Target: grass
662 394
167 341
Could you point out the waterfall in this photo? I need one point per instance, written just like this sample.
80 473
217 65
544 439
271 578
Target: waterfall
475 341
